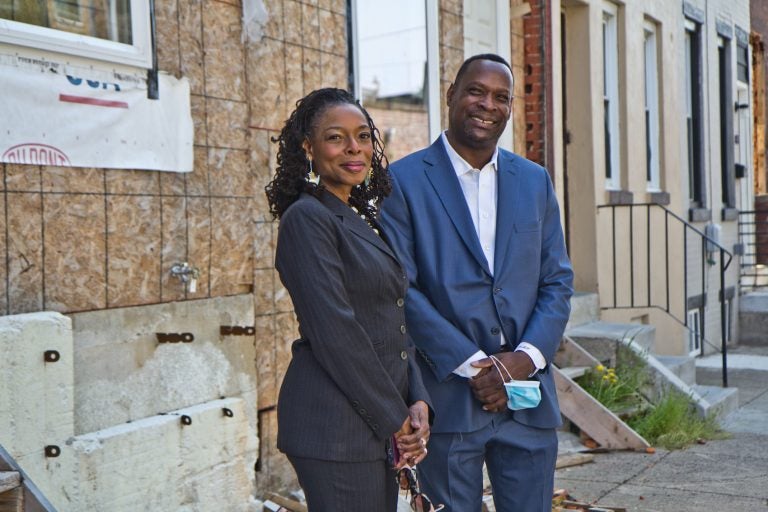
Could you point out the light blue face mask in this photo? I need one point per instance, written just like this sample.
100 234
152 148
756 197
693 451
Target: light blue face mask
521 394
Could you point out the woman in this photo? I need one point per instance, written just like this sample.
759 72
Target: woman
353 389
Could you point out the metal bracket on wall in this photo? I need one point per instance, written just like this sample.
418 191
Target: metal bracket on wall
175 337
52 450
236 330
51 356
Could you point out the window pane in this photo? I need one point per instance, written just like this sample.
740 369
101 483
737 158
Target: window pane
103 19
392 43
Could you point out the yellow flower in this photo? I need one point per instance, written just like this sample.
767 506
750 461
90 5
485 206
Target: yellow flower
606 378
600 368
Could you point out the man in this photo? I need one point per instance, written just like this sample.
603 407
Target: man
478 231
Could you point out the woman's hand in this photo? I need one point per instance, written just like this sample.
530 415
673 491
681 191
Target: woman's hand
412 438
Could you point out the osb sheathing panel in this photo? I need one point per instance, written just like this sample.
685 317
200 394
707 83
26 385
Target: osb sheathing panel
25 252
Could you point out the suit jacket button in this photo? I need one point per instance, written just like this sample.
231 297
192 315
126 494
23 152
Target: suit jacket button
403 355
375 426
497 290
400 302
355 403
402 329
362 412
495 330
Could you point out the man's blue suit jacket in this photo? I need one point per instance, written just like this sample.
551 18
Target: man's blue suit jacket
455 305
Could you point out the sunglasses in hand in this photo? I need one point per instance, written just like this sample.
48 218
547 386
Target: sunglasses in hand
406 477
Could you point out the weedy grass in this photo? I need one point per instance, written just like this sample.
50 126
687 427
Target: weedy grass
673 423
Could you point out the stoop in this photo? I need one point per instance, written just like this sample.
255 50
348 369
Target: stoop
682 366
602 340
753 319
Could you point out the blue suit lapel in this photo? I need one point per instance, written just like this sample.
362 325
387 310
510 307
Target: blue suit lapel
442 176
506 201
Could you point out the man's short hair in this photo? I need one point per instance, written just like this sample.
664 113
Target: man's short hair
481 56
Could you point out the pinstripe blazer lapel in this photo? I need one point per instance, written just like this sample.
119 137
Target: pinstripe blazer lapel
354 223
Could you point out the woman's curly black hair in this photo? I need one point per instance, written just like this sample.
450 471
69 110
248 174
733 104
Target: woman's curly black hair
292 173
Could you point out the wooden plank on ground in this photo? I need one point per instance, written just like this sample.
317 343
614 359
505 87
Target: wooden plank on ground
593 418
292 505
573 459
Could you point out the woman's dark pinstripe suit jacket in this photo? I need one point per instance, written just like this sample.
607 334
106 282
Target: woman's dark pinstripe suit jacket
353 373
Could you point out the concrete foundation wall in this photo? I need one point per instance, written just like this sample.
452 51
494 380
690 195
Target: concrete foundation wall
118 426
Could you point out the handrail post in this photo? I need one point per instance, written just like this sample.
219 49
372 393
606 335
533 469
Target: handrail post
613 241
723 332
631 256
648 252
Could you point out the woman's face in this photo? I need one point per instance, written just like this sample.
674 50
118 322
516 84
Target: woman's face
341 148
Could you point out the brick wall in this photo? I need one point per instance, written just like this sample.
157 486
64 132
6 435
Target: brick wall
759 21
538 83
404 131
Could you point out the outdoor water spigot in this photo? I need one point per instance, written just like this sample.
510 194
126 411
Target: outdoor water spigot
186 274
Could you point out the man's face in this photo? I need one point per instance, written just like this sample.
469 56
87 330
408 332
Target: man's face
479 104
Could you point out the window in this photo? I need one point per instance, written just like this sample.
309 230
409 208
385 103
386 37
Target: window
693 115
742 119
611 97
742 62
651 109
695 332
112 30
398 80
726 123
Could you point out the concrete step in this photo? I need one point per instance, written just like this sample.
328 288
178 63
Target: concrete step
602 339
585 309
753 319
682 366
574 372
721 401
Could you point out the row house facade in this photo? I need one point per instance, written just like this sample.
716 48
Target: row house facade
656 150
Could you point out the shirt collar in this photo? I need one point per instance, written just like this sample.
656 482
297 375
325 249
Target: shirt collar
461 166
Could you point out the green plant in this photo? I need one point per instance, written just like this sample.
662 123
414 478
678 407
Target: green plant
617 388
673 423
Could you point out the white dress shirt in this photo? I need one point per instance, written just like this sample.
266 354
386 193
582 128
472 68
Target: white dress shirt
479 188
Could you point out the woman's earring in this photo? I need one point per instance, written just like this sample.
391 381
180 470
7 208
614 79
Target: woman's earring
311 176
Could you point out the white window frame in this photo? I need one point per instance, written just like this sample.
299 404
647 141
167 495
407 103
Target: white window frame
652 104
694 332
611 92
433 64
138 54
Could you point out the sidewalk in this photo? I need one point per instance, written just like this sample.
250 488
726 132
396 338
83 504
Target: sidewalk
730 474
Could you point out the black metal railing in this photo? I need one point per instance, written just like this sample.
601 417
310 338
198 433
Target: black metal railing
647 240
753 239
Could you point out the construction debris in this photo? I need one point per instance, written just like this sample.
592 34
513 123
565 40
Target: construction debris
573 459
564 502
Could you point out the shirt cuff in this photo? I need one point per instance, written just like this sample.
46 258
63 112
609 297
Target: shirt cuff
466 369
535 354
